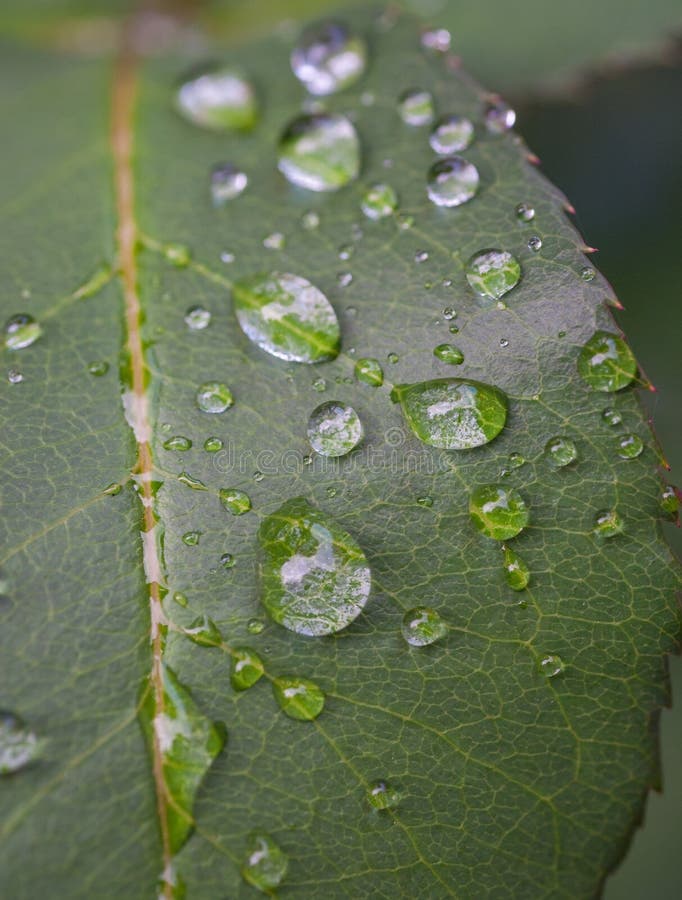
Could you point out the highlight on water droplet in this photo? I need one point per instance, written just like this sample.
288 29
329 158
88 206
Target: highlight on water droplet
608 523
516 572
298 698
449 354
19 746
218 98
235 501
204 631
498 512
493 273
288 317
560 452
314 578
227 182
369 371
629 446
266 863
334 429
21 330
499 117
246 667
451 134
452 413
606 363
328 58
320 152
214 397
452 181
379 201
422 626
551 665
381 795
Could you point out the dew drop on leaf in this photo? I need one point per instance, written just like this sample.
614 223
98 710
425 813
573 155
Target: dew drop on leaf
214 397
498 116
227 561
19 746
560 451
525 212
191 482
587 273
369 371
266 864
191 538
452 413
629 446
498 512
246 668
425 501
320 152
235 501
422 626
551 665
535 243
213 444
14 376
219 99
448 353
255 626
608 523
274 241
298 698
416 107
310 220
381 795
516 572
227 182
379 201
436 39
288 317
493 273
314 577
451 134
670 501
516 460
328 58
177 255
98 367
112 489
611 416
21 330
334 429
606 363
177 442
452 181
204 631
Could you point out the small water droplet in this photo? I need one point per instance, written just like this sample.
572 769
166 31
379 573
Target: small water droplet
320 152
393 358
516 460
113 489
191 538
525 212
436 39
498 512
404 221
310 220
189 481
235 501
288 317
452 413
504 343
214 397
379 201
19 746
587 273
258 476
227 182
344 278
493 273
448 353
319 385
180 598
328 58
551 665
369 371
425 501
274 241
611 416
449 313
346 251
516 572
14 376
535 243
416 107
255 626
21 330
227 257
499 117
298 698
422 626
606 362
205 632
560 452
246 668
227 561
670 501
629 446
98 367
452 181
177 442
266 864
213 444
451 134
334 429
219 99
177 255
381 795
608 524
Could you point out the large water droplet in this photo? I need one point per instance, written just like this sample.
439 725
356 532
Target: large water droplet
235 501
629 446
516 572
560 451
608 524
451 134
499 117
21 331
493 273
422 626
452 181
214 397
205 632
266 864
379 201
334 429
452 413
314 577
299 698
381 795
19 746
551 665
288 317
220 99
606 362
448 353
227 182
328 58
246 668
320 152
416 107
498 512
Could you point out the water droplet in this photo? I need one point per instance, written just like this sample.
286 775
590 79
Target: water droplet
274 241
369 371
423 626
449 313
246 668
551 665
452 413
298 698
214 397
227 182
426 501
493 273
191 538
516 460
448 353
205 632
180 598
14 376
328 58
629 446
177 255
21 331
451 134
213 444
516 572
535 243
404 221
560 451
288 317
498 512
525 212
258 476
227 257
606 362
319 385
381 795
452 181
19 746
255 626
346 251
416 107
310 220
344 278
220 99
334 429
379 201
177 442
498 116
314 577
113 489
320 152
670 501
393 358
437 39
608 524
191 482
98 367
611 416
265 865
234 501
587 273
227 561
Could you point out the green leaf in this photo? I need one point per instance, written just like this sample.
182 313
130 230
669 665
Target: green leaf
516 748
